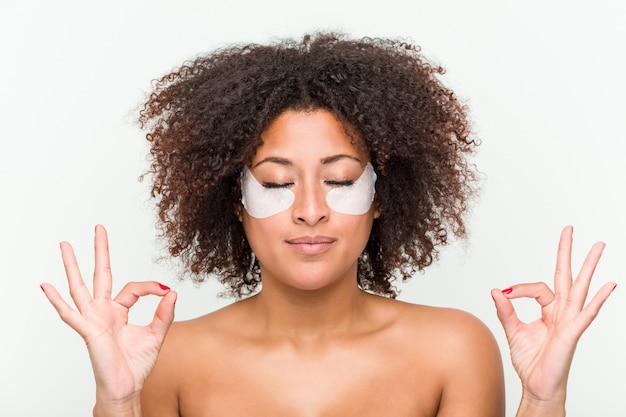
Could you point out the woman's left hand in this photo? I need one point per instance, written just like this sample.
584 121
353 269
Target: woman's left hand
542 351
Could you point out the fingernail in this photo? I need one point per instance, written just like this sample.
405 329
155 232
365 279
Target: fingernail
41 286
507 290
164 287
614 286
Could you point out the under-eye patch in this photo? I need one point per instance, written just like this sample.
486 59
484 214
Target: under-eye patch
356 198
261 202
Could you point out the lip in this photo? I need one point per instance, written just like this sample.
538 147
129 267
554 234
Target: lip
310 245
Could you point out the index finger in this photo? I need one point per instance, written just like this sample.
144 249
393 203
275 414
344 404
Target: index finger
102 279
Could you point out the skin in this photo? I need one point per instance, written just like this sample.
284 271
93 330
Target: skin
311 343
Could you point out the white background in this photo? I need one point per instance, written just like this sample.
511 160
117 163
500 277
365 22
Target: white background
545 83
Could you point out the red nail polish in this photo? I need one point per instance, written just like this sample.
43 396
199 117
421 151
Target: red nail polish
507 290
164 287
41 286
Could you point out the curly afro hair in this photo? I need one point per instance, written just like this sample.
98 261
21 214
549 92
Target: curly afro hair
205 119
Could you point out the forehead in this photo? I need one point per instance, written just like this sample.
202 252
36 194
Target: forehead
310 134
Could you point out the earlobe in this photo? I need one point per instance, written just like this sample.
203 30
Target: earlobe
376 205
238 208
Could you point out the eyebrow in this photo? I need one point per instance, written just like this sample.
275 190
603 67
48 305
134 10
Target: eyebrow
274 159
325 161
335 158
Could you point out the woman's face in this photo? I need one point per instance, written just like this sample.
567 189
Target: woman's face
305 240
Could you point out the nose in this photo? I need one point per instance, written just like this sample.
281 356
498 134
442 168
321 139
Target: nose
309 206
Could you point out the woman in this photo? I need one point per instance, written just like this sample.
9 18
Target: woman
309 177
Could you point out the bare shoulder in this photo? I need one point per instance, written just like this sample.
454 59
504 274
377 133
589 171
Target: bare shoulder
185 356
204 333
458 353
455 336
436 324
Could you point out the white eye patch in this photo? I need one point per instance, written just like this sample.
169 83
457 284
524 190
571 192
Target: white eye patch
261 202
357 198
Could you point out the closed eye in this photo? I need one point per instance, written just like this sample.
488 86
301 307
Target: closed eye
343 183
277 184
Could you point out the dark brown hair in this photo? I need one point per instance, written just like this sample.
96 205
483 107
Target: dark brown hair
204 122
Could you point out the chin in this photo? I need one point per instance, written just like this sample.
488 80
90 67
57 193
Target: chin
316 283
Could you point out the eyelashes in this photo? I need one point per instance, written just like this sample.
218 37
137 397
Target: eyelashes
331 183
344 183
274 185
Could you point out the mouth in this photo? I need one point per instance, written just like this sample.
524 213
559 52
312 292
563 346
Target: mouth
311 245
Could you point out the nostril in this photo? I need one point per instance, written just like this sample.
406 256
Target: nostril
311 219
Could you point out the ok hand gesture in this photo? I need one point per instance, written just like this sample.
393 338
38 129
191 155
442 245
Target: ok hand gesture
122 354
542 351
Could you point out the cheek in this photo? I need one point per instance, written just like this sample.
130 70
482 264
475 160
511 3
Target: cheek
260 232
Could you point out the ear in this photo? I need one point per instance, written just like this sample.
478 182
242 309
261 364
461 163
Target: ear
376 205
238 208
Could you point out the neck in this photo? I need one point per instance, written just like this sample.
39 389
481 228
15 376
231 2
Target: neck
310 315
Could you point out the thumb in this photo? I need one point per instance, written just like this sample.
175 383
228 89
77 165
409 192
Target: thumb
164 315
506 312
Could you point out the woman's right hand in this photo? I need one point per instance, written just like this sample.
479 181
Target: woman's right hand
122 354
